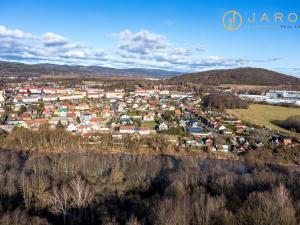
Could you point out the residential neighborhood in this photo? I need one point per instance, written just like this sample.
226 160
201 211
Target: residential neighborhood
97 108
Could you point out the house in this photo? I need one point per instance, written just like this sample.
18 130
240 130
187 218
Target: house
24 116
95 120
164 92
125 119
171 108
35 91
2 96
22 91
31 99
163 126
70 97
182 123
224 148
16 122
223 130
121 108
49 91
63 111
240 128
98 124
192 123
117 94
163 106
2 111
72 127
287 141
7 127
71 116
177 113
106 113
127 129
49 98
143 130
84 128
64 120
94 93
61 91
135 106
144 92
149 117
86 117
36 123
281 139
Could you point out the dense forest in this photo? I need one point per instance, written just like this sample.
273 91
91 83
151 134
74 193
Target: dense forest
50 177
244 76
94 188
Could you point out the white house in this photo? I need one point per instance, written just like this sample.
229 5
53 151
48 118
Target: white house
163 126
164 92
35 91
49 91
127 129
118 94
30 99
2 96
49 98
72 127
71 97
148 117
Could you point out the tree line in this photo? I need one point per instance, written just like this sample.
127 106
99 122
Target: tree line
222 101
291 123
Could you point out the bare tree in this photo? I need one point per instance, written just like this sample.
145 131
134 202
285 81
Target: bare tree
81 193
60 200
158 143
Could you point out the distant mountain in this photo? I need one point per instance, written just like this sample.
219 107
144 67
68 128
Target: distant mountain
20 70
246 76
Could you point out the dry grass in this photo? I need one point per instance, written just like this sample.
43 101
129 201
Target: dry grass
244 87
263 115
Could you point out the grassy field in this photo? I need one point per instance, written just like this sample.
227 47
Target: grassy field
149 123
263 115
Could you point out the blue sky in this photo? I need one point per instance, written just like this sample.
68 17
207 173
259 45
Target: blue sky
166 34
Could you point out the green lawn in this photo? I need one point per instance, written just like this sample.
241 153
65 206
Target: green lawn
263 115
149 123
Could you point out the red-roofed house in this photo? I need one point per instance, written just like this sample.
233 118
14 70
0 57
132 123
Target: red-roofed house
127 129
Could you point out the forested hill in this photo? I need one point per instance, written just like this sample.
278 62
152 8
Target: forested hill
36 70
245 76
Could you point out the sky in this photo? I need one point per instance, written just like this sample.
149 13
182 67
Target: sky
178 35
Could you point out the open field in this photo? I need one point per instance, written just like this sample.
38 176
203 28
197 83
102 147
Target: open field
149 123
263 115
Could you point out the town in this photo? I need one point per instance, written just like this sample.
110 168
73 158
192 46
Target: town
94 108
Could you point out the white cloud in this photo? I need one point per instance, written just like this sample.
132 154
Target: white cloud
140 49
51 39
7 33
143 42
